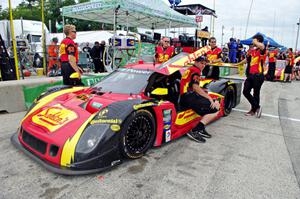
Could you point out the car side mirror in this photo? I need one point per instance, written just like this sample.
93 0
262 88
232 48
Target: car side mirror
160 91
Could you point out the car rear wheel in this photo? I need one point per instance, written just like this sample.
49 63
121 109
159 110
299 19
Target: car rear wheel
137 134
229 100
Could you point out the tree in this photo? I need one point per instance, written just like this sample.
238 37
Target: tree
31 10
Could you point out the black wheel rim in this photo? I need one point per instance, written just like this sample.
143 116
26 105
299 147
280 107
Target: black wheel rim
138 134
229 101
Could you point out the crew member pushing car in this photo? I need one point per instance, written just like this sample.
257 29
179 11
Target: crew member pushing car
69 56
195 98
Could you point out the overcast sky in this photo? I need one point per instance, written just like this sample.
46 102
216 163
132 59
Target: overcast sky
276 18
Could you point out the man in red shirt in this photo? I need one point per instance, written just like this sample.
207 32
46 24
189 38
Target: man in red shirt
164 51
68 52
272 64
213 56
255 75
195 98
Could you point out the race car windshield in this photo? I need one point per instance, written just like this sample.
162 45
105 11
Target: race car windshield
124 81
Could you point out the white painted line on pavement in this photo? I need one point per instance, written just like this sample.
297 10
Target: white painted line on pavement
269 115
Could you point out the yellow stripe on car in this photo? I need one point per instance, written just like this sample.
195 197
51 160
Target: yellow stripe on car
68 152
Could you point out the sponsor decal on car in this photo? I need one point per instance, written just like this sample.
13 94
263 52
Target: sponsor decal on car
168 135
102 113
97 105
83 97
54 117
167 126
139 106
106 121
185 117
115 127
131 70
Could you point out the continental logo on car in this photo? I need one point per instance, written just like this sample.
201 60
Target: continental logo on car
106 121
185 117
54 117
139 106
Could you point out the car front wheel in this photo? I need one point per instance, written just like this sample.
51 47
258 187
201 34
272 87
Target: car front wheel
137 134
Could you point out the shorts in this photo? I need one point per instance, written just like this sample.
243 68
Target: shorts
197 103
288 69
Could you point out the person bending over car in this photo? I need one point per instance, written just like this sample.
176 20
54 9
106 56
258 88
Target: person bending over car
195 98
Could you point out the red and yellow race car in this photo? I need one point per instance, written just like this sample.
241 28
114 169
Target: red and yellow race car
81 130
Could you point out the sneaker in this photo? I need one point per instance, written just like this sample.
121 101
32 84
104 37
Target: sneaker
258 112
204 133
250 113
194 135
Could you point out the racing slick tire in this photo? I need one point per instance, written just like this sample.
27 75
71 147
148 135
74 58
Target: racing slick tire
229 99
137 134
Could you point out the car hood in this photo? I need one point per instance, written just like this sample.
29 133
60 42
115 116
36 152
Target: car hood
59 119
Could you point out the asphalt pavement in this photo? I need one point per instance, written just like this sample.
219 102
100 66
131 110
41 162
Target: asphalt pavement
247 157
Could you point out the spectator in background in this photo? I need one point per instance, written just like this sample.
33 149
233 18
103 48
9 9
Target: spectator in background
102 58
297 66
281 56
53 50
272 54
86 48
233 47
289 67
240 51
95 54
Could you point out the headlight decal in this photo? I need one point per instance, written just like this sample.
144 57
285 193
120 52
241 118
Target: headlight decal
68 152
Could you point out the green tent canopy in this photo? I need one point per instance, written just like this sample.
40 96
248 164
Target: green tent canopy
152 14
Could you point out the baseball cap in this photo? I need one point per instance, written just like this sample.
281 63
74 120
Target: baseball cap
201 58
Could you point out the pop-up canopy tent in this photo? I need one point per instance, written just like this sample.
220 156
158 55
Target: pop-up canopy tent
152 14
272 42
195 9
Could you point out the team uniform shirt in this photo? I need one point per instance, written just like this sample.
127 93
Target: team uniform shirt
68 47
291 59
164 55
191 76
257 60
214 54
272 56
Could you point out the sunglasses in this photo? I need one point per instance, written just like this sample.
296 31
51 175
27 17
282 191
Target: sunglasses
73 31
167 41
